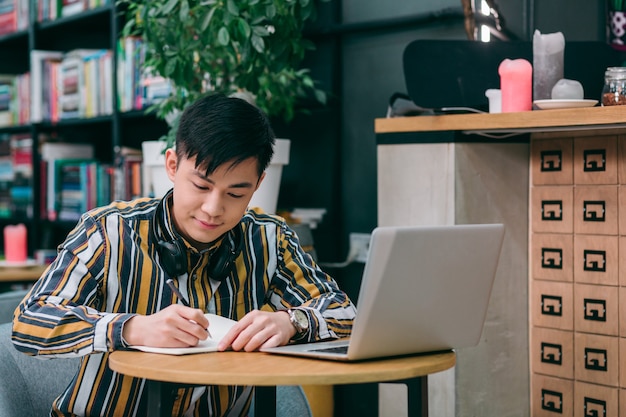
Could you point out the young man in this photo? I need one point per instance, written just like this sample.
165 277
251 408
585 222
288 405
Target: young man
107 289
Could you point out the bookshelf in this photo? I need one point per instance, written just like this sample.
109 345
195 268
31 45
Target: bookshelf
90 26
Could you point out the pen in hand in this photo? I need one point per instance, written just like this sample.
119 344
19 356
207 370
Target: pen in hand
182 298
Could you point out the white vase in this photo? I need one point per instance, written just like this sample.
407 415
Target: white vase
266 196
155 180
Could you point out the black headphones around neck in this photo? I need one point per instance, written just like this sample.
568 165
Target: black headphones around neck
173 253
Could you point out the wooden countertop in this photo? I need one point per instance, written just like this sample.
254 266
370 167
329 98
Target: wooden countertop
536 120
21 274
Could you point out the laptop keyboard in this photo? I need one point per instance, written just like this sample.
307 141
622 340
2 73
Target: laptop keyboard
335 349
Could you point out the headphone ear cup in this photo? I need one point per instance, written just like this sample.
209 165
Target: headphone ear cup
221 261
173 258
219 266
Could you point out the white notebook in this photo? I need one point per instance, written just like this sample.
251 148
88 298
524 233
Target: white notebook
218 326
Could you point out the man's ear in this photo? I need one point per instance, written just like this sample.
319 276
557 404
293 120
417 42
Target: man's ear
171 163
258 183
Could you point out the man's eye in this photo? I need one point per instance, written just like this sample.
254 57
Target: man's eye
200 187
235 195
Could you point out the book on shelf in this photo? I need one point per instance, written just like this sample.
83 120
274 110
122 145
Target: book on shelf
75 187
42 64
50 152
6 175
22 187
8 16
7 93
72 7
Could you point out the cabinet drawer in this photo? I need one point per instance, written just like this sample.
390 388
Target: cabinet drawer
595 160
551 162
596 309
552 256
622 264
596 210
622 318
596 260
551 397
595 400
552 304
552 352
552 208
622 365
596 359
621 159
621 207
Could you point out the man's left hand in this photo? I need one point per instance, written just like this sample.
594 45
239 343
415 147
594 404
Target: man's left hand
259 329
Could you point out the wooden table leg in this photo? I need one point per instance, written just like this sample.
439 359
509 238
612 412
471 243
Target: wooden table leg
265 401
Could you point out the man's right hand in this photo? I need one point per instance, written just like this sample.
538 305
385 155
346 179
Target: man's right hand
174 326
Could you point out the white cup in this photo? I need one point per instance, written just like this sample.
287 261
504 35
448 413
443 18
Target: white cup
495 100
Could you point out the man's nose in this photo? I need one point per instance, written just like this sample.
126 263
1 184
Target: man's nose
213 205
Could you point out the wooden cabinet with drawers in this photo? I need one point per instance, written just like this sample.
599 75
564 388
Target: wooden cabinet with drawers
577 271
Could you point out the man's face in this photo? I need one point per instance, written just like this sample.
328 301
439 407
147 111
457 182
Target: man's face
204 208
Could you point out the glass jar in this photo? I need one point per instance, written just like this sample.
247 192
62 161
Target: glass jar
614 91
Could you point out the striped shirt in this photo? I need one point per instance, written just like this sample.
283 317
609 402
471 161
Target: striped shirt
108 269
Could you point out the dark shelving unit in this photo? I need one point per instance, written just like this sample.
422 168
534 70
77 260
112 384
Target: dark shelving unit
97 28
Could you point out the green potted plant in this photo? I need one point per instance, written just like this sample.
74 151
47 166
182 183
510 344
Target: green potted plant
250 48
253 48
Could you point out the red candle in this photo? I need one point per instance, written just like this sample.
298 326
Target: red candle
15 246
516 84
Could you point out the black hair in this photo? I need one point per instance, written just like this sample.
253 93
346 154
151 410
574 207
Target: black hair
217 129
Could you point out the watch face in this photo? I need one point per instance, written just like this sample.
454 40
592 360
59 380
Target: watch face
301 318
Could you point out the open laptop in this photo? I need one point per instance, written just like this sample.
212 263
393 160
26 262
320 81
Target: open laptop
424 289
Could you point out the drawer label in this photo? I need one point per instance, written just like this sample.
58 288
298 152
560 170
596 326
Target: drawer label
595 310
596 359
551 353
551 258
594 407
595 160
551 161
594 260
552 401
551 305
552 210
594 211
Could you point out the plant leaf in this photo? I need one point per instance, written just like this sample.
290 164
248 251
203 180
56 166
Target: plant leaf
207 19
260 31
223 37
184 10
169 6
243 28
270 11
258 43
232 7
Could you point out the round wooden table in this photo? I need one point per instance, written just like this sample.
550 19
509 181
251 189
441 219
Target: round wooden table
268 370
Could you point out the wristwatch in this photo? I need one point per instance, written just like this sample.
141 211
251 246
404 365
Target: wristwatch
300 321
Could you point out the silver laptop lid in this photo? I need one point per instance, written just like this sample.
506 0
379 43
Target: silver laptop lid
425 288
